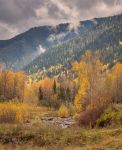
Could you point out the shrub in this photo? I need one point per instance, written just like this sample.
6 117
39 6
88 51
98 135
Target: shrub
55 103
88 117
13 112
72 110
109 117
63 111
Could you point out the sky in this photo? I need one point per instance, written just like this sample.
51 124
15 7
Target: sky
17 16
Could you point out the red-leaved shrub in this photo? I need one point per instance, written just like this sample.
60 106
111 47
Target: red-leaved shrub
88 117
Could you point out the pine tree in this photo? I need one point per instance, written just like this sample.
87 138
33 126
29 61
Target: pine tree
54 87
40 94
68 94
61 93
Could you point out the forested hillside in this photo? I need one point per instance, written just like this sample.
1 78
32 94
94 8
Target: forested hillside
104 37
18 52
47 49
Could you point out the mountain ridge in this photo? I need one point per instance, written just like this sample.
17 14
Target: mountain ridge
22 50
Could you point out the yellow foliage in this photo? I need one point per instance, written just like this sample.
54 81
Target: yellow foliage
72 110
14 112
117 82
46 83
120 43
81 92
12 85
31 94
63 111
90 74
117 69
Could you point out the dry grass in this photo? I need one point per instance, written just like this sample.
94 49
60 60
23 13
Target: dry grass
22 137
29 136
24 147
14 112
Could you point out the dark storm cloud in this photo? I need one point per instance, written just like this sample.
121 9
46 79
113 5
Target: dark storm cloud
19 15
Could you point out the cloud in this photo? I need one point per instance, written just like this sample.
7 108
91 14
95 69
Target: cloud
7 31
57 37
17 16
40 50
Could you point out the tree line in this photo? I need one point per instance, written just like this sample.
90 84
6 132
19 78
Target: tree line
93 87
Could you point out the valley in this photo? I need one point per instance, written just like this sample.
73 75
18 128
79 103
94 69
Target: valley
61 87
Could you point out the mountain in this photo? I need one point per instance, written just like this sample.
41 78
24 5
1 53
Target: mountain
19 51
47 50
104 36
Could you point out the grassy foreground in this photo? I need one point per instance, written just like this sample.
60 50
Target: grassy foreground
22 129
21 137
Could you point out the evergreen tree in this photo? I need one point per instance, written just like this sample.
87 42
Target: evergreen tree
68 94
40 94
61 94
54 87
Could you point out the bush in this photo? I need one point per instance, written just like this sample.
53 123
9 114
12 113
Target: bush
13 112
51 103
88 117
109 117
72 110
63 111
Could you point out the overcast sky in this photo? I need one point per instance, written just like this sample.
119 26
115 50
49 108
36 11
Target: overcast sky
17 16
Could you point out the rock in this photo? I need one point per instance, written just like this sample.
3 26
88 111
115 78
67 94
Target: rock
47 118
57 121
64 126
27 121
50 118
